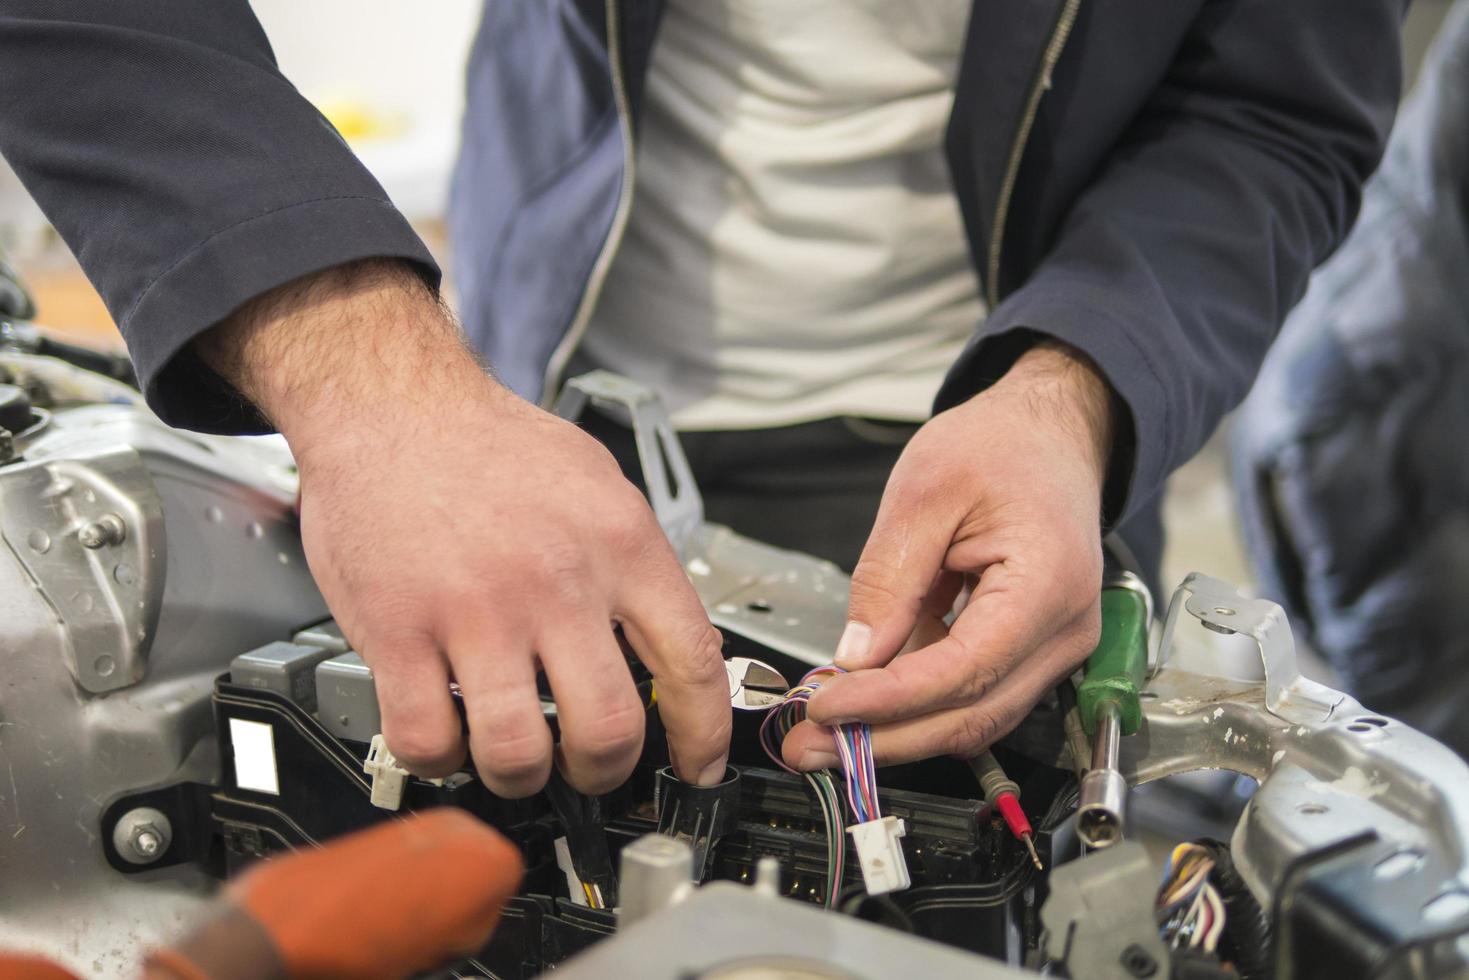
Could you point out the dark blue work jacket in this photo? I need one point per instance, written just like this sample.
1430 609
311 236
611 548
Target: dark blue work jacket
1151 181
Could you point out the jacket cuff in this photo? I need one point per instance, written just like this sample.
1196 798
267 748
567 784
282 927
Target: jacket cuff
233 266
1138 464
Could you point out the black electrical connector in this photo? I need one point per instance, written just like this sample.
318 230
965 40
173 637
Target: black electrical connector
700 815
585 825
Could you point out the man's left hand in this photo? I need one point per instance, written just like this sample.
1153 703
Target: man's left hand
1000 496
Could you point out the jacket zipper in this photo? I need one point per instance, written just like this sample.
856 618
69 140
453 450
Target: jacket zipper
600 268
1038 87
561 356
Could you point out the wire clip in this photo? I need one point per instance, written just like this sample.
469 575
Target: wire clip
884 869
388 778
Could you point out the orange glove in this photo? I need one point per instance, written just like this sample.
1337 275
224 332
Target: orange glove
22 966
386 902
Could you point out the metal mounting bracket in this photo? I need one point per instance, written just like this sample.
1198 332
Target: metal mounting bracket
1219 607
89 532
666 472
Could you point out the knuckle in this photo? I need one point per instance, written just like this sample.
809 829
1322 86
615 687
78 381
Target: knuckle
558 576
699 660
709 740
981 673
395 645
629 525
1084 586
558 560
1089 629
912 488
512 753
983 678
599 459
415 746
391 617
617 735
972 730
871 584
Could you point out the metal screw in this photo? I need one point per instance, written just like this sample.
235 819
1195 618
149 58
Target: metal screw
105 530
142 835
1138 961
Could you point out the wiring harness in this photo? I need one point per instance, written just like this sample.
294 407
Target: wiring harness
1191 913
854 743
1238 934
884 868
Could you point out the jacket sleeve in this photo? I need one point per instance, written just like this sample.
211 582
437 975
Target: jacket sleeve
185 173
1174 268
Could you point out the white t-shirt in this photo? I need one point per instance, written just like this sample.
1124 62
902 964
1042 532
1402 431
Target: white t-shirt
794 249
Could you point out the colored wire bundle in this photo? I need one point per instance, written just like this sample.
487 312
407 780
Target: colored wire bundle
854 748
854 744
836 838
1190 911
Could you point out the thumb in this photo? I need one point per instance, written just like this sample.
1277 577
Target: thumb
897 578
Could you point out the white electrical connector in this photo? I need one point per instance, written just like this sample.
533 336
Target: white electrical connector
884 869
388 778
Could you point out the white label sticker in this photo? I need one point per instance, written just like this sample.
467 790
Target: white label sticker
563 861
254 747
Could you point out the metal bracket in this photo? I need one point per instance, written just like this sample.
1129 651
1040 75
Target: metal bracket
674 495
89 532
1221 608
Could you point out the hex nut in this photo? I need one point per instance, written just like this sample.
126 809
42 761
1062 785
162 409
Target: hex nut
142 835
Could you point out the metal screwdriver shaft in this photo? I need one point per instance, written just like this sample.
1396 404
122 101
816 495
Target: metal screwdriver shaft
1102 808
1111 707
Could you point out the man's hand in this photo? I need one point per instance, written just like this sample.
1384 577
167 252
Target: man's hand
459 533
1001 494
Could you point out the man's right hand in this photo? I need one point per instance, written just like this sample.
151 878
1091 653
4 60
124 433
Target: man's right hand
459 533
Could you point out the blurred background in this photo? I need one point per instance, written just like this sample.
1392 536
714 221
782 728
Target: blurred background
390 76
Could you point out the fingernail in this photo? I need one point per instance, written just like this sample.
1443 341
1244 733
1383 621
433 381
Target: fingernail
812 759
853 647
712 774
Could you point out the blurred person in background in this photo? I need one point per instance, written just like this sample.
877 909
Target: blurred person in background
1351 454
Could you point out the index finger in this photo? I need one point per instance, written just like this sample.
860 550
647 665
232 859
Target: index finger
666 625
997 627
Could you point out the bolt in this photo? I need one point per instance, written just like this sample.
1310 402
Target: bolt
142 835
105 530
1138 961
146 843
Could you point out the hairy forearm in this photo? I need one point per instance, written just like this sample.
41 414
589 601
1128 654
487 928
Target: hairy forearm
320 351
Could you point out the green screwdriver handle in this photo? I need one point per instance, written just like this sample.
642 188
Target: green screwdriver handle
1115 670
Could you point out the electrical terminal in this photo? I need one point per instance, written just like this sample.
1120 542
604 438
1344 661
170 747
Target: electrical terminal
880 855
